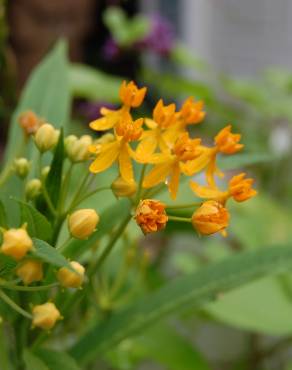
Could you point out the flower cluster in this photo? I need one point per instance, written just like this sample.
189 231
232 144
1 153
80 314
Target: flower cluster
164 143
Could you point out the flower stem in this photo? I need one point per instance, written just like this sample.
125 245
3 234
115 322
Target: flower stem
4 350
179 219
13 305
186 205
87 196
27 288
139 190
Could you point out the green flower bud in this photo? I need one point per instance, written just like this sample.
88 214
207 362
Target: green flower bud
21 167
77 149
46 137
33 188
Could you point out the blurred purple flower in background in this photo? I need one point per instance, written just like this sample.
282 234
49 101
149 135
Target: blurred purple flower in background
91 110
161 37
110 49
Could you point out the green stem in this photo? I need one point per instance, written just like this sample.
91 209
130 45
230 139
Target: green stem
28 288
65 185
139 190
81 187
186 205
4 350
111 243
179 219
87 196
13 305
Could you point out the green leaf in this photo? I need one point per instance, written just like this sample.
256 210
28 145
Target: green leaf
90 83
184 293
244 159
37 224
32 362
3 216
54 178
56 360
106 224
49 254
47 93
163 344
7 265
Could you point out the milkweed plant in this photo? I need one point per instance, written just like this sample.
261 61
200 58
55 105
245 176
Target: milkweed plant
50 284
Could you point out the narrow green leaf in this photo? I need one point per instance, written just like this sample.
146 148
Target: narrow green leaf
48 254
3 216
32 362
37 224
181 294
54 178
56 360
47 93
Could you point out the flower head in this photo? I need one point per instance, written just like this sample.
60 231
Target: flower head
151 216
192 111
227 142
131 95
45 315
16 243
210 218
71 279
29 122
164 115
82 223
30 271
240 188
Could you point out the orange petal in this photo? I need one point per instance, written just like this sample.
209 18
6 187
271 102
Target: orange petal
146 147
205 191
106 157
174 181
125 163
157 175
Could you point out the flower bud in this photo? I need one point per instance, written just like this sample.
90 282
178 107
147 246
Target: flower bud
77 149
71 279
227 142
210 218
46 137
21 167
45 315
29 122
151 216
122 188
30 271
33 188
82 223
240 188
16 243
45 171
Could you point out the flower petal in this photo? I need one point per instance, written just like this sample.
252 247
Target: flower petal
205 191
106 157
174 181
146 147
125 163
157 175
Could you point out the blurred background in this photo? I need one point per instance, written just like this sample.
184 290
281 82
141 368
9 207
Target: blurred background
237 57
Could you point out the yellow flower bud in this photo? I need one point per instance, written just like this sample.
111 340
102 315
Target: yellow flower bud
45 315
77 149
30 271
210 218
21 167
33 188
122 188
16 243
46 137
82 223
71 279
45 171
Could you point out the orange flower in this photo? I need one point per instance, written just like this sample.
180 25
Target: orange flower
118 150
30 122
210 218
130 95
110 118
151 216
240 188
192 111
226 142
169 165
164 118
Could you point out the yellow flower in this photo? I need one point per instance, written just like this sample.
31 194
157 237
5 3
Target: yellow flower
164 117
168 166
192 111
30 271
45 315
16 243
119 150
130 95
71 279
227 142
150 215
210 218
240 189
